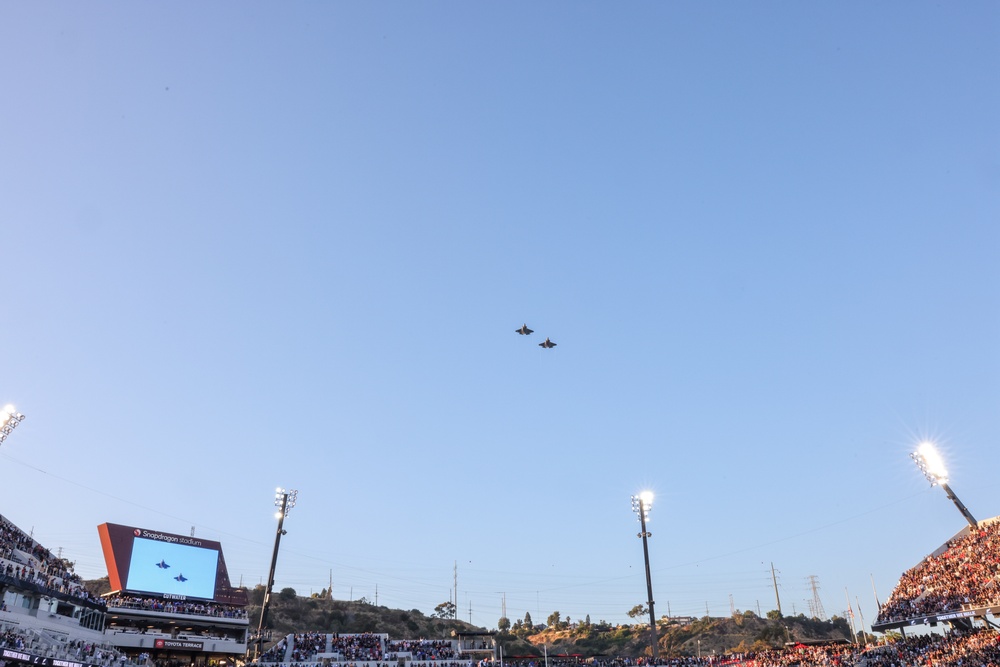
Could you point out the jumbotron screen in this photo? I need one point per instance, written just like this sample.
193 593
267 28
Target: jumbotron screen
144 562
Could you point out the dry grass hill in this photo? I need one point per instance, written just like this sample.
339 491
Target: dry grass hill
743 631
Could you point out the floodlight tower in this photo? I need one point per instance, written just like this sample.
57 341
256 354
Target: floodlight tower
284 501
9 420
930 463
641 505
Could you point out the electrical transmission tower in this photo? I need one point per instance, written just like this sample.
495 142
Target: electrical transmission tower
816 605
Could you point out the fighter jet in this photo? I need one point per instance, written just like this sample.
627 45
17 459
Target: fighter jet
547 344
181 577
524 330
162 565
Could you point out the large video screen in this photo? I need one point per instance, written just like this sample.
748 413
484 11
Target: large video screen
176 569
146 561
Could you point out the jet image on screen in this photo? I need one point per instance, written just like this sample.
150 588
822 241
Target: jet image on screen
177 569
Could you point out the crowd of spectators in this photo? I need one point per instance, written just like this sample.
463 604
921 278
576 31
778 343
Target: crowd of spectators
837 655
963 575
973 649
358 647
306 645
21 557
980 648
601 661
77 650
422 649
122 601
12 640
89 652
276 653
335 663
305 648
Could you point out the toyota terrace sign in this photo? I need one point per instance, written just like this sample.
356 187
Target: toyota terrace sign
178 643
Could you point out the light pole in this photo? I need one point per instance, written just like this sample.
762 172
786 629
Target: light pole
285 501
9 420
930 463
641 505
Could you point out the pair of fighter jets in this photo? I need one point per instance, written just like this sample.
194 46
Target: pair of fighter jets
525 331
163 565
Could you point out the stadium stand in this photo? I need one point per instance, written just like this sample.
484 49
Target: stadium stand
46 615
371 650
958 580
48 618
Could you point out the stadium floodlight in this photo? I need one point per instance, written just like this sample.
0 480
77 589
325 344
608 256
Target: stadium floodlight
641 505
932 465
9 420
284 501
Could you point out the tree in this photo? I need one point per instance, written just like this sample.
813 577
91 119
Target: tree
287 594
444 610
553 620
503 625
527 620
637 611
774 615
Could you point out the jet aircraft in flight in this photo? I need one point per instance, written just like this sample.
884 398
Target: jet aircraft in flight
162 565
181 577
547 344
524 330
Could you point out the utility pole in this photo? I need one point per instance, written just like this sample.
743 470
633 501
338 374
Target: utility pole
774 580
454 613
817 604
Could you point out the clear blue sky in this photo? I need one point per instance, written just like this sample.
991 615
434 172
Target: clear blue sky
249 245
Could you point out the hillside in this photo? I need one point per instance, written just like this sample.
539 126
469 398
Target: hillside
291 613
709 635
